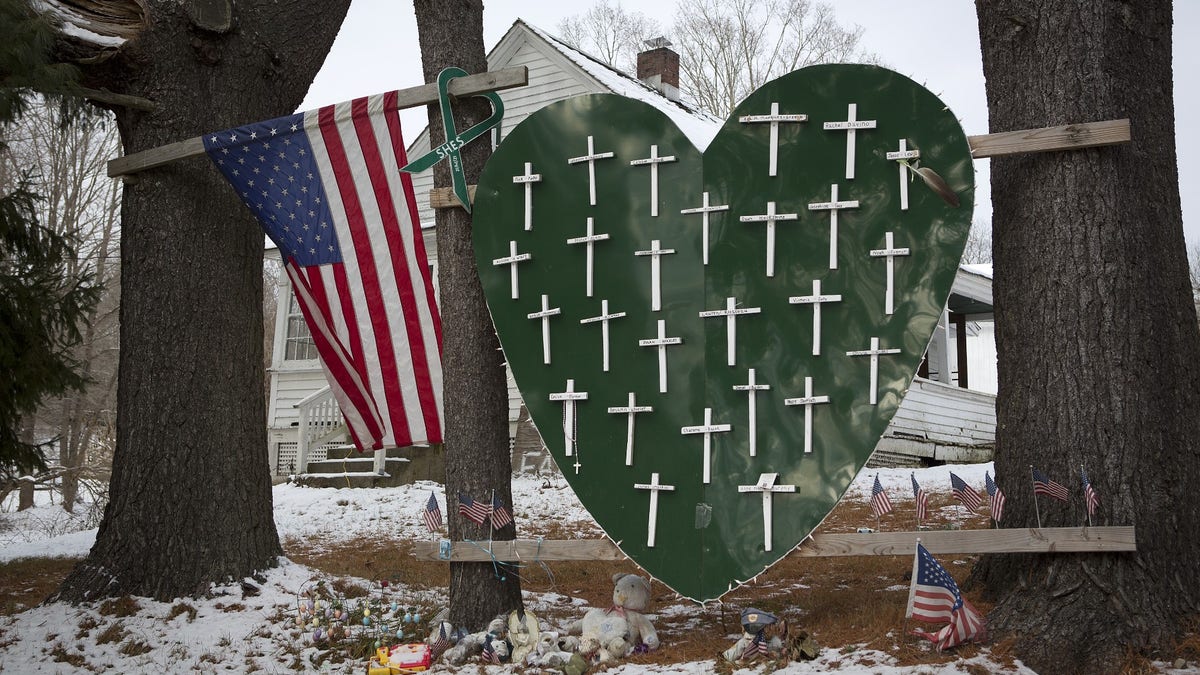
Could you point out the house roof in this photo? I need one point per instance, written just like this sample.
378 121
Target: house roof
699 126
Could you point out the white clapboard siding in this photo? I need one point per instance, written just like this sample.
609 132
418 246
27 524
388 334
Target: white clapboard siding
289 388
942 422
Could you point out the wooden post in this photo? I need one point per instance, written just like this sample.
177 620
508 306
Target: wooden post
1015 540
405 98
960 327
1022 142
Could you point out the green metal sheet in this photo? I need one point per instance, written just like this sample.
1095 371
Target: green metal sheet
710 537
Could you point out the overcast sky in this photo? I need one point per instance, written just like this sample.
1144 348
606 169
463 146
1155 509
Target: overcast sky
377 51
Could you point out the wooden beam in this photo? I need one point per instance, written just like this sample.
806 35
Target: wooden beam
412 97
443 198
1032 540
1027 141
1067 137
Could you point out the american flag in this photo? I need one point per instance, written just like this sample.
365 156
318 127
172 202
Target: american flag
921 497
934 597
476 511
1089 494
880 504
500 514
440 644
756 648
1042 485
432 514
489 652
965 493
995 496
326 186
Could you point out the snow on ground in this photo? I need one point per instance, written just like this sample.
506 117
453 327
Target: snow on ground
237 631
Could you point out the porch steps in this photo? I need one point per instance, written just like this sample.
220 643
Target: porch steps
346 467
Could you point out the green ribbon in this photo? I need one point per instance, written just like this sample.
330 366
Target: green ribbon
455 140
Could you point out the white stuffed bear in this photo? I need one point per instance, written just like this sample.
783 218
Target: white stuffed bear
612 634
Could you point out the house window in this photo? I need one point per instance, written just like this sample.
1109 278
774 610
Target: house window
299 345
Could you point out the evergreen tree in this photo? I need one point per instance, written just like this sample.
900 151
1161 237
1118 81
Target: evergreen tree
41 304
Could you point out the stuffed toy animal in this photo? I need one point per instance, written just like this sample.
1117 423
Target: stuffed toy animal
763 635
472 645
608 635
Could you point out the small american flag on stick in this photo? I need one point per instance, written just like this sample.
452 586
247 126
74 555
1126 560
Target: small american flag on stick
1042 485
880 504
500 514
476 511
995 497
964 493
1089 494
920 497
432 515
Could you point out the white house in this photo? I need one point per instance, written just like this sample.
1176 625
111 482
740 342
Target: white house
940 419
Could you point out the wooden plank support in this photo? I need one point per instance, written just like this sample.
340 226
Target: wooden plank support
1067 137
1026 141
412 97
1031 540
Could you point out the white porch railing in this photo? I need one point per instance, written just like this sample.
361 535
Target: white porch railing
321 419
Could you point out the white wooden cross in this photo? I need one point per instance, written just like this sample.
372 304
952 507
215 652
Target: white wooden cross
653 160
708 429
545 314
568 398
704 209
654 487
751 387
631 410
816 299
890 252
833 206
528 179
655 254
851 124
874 352
730 313
511 260
770 217
774 118
904 153
808 400
662 341
590 240
604 318
766 485
591 158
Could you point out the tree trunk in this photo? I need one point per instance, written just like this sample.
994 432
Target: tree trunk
475 391
1098 350
190 496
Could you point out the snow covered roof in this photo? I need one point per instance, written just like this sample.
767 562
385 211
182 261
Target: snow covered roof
983 270
700 127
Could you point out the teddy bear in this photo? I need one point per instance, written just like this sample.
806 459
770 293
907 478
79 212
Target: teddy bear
608 635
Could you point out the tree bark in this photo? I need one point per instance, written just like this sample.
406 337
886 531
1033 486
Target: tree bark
190 495
1098 349
475 393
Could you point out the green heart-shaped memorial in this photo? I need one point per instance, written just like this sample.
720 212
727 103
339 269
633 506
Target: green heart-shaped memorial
712 344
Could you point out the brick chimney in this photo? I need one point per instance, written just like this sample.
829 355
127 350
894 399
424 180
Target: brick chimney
658 67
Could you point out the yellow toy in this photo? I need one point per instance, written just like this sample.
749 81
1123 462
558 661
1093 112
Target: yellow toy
411 658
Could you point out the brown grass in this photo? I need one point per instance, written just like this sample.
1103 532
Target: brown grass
25 583
123 606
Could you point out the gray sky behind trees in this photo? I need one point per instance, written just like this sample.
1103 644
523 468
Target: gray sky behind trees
934 42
